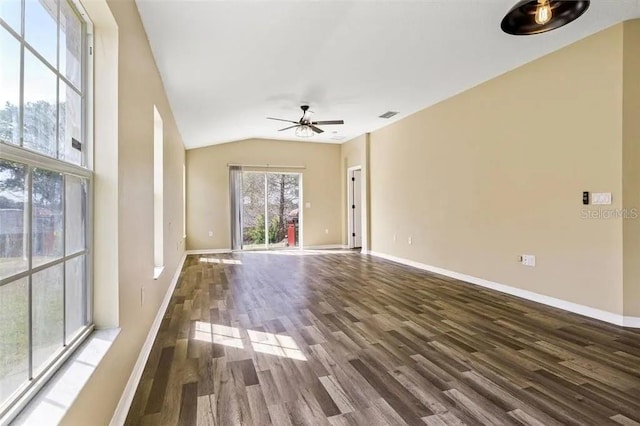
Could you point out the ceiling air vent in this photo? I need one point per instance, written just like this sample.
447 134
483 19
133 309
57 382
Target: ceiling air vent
336 137
388 114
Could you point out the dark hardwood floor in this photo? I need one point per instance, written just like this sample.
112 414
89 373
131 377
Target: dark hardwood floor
278 338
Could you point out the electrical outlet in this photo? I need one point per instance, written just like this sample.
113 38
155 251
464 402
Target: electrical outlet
326 231
210 233
410 241
528 260
601 198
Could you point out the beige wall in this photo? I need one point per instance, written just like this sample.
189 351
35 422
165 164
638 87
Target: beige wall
105 167
208 188
354 153
472 180
631 165
498 171
139 89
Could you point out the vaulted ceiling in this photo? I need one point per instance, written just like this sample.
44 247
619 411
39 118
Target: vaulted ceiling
226 65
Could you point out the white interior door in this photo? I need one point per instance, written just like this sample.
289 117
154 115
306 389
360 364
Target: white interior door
356 208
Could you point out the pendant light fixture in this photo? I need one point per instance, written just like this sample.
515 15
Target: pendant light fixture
304 131
529 17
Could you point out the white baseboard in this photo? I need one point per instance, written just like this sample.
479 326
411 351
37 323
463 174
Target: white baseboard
120 415
631 322
208 251
326 247
219 251
610 317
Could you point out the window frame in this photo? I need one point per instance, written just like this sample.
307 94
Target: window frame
33 159
86 80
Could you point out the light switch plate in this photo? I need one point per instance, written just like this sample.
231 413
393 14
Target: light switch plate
307 205
528 260
601 198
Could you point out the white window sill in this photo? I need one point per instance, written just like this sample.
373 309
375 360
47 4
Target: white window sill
53 401
157 271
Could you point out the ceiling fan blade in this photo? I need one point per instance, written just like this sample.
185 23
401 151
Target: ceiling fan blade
324 123
316 129
281 119
287 128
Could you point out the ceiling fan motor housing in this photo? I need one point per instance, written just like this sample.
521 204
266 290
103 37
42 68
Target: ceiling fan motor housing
304 108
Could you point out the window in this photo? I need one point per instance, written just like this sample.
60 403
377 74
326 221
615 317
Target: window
44 190
158 193
46 115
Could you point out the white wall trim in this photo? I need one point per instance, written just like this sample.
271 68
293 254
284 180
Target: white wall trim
120 415
587 311
631 322
326 247
208 251
220 251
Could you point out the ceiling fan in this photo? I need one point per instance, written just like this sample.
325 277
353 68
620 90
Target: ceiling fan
305 127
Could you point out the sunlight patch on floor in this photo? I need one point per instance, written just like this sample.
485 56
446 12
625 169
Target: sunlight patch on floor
220 261
220 334
266 343
275 344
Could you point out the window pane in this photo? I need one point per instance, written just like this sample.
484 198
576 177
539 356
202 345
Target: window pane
70 43
70 125
11 13
10 85
46 314
47 216
75 296
39 106
14 337
76 195
13 235
41 28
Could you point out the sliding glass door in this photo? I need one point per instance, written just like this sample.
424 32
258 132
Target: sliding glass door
271 206
283 196
253 211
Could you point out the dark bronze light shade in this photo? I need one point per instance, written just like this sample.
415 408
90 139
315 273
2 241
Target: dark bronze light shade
521 18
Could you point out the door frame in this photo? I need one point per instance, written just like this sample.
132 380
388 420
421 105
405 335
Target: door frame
349 203
301 208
